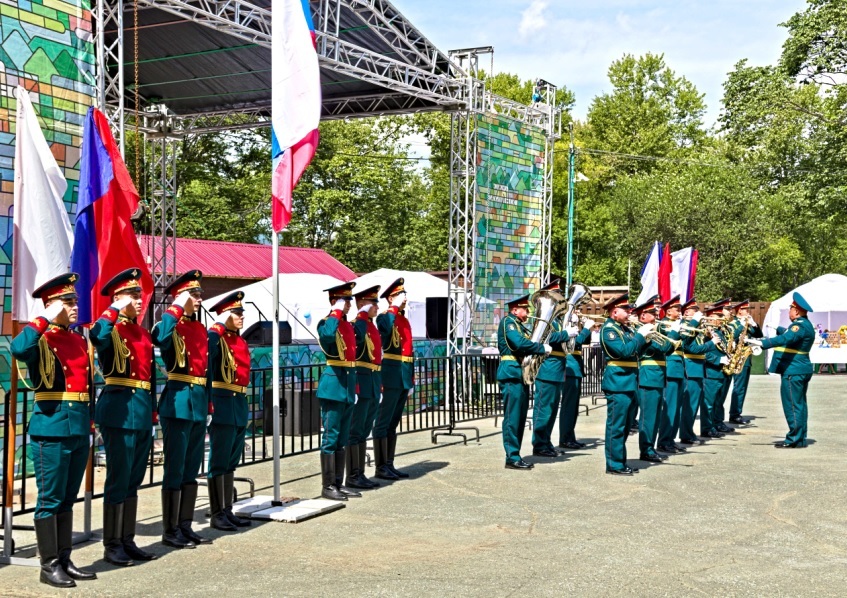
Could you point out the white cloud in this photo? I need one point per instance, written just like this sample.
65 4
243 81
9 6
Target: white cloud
532 18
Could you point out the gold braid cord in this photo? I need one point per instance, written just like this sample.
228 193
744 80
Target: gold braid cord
227 362
46 364
121 353
179 349
395 337
340 345
369 345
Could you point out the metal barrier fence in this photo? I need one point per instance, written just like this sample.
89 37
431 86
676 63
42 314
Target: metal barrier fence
477 396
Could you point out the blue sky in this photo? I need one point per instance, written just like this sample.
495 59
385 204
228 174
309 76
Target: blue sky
573 43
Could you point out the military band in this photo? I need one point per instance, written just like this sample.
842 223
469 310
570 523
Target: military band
674 394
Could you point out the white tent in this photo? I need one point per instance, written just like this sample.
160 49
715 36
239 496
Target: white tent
827 295
302 302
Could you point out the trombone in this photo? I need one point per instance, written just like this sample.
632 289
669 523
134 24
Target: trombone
655 335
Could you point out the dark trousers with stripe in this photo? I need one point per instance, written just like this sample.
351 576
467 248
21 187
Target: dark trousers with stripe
793 393
226 444
691 404
547 398
671 410
740 381
183 448
650 402
569 411
127 456
619 418
59 468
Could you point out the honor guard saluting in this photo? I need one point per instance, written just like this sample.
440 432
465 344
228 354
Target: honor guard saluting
398 379
714 380
369 382
694 355
549 384
514 343
229 376
651 383
746 327
337 390
125 412
620 379
574 371
183 407
61 426
674 380
790 360
719 411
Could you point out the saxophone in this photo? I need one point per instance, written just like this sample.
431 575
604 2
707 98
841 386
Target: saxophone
741 354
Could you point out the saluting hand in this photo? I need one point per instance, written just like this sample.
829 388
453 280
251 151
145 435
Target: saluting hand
398 300
121 303
53 310
338 305
222 317
182 299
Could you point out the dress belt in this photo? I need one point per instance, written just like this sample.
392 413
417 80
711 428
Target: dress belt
340 363
228 386
367 364
623 364
558 353
62 396
651 362
129 382
187 379
787 350
693 356
507 358
403 358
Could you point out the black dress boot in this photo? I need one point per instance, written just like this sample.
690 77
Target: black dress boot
188 496
113 546
362 454
218 520
389 461
339 475
65 536
46 536
352 467
229 482
128 532
329 490
171 534
380 458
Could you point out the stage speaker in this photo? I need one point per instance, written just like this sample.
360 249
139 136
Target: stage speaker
436 317
260 333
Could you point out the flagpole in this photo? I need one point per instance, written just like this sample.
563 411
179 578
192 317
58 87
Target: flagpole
275 369
9 465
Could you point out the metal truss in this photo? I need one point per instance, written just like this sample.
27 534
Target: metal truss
237 18
373 105
551 124
109 14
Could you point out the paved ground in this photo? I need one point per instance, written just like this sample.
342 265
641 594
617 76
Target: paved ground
733 517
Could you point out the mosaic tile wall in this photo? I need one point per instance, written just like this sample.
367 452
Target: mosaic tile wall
46 47
510 168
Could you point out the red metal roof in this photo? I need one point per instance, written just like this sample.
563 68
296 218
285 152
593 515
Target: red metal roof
222 259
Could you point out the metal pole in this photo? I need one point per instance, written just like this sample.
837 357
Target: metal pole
9 466
571 166
275 369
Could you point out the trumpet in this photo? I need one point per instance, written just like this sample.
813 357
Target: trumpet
655 334
691 330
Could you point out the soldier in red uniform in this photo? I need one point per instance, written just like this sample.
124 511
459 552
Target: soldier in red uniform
398 379
61 427
229 376
183 408
126 413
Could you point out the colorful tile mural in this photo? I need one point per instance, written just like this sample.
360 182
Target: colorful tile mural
46 47
510 170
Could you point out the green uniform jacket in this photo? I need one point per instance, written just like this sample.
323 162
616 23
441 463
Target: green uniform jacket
714 367
181 400
675 364
694 351
369 380
337 383
231 407
652 363
575 366
396 334
121 406
514 344
59 419
552 369
622 348
791 348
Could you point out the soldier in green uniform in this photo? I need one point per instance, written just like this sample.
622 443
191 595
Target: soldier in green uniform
574 371
790 360
674 380
719 408
513 340
714 380
398 379
741 380
694 354
651 382
125 412
549 384
622 347
229 376
337 391
369 382
183 407
61 426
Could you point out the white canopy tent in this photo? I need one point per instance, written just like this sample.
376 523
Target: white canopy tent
827 295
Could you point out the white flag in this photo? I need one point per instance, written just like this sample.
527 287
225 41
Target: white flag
43 237
650 275
681 273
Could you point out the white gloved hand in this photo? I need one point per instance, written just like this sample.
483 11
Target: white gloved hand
355 399
154 432
53 311
755 342
547 349
182 299
339 305
380 397
366 307
587 323
91 441
675 326
208 420
398 300
412 390
724 360
697 317
222 317
750 321
645 329
121 303
572 331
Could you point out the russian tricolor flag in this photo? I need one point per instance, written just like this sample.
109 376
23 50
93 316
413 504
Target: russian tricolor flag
296 102
104 240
